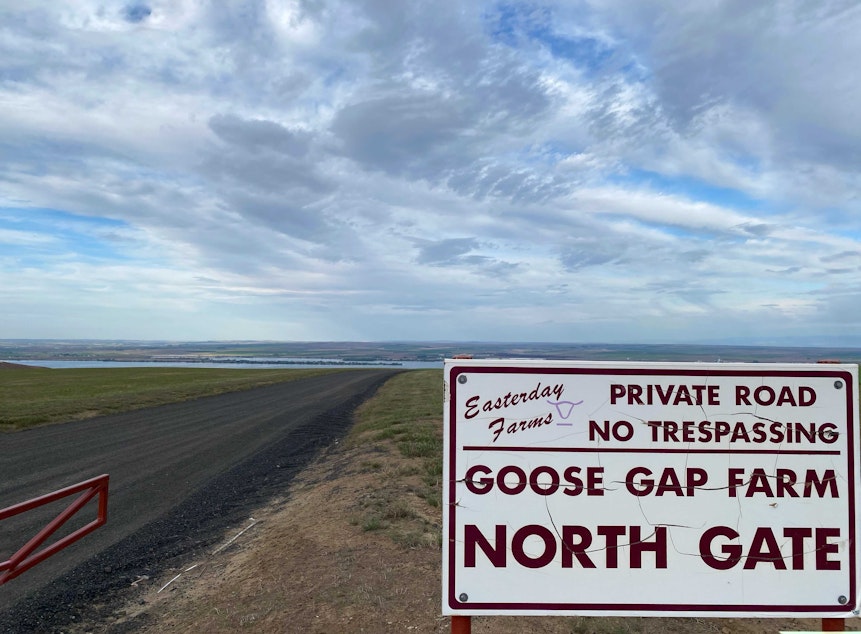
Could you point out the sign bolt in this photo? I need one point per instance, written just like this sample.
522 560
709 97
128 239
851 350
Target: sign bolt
842 600
464 597
828 434
461 379
838 384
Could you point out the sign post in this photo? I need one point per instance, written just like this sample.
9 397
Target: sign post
651 489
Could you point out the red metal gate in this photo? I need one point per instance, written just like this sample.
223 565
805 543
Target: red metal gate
26 557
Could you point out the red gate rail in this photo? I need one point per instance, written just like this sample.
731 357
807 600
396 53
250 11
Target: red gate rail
26 558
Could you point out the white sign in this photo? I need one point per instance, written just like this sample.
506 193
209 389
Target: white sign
651 489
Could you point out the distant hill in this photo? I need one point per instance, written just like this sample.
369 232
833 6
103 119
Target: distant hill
5 365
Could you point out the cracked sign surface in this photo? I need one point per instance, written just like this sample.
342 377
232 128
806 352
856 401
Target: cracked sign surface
650 489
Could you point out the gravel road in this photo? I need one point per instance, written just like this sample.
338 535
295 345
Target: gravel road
180 475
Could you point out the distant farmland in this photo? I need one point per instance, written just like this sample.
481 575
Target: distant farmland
72 350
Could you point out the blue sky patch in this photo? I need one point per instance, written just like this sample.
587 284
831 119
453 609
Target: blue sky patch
692 189
514 23
136 13
32 235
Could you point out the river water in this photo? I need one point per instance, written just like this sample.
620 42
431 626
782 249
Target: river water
237 363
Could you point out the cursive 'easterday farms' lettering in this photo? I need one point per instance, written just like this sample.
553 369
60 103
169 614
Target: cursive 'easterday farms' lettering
475 404
513 427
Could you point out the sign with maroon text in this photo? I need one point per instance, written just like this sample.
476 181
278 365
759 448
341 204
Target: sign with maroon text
593 488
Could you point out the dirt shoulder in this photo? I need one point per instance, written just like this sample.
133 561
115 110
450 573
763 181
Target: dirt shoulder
354 546
314 561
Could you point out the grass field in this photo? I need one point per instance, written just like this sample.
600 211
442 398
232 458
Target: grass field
406 411
35 396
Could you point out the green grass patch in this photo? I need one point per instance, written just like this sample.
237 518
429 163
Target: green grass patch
398 510
408 400
391 432
420 446
31 397
373 523
406 411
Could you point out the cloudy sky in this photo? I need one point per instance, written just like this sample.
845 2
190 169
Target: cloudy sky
577 171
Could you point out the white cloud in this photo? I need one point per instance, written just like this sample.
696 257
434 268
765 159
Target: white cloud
586 171
23 238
